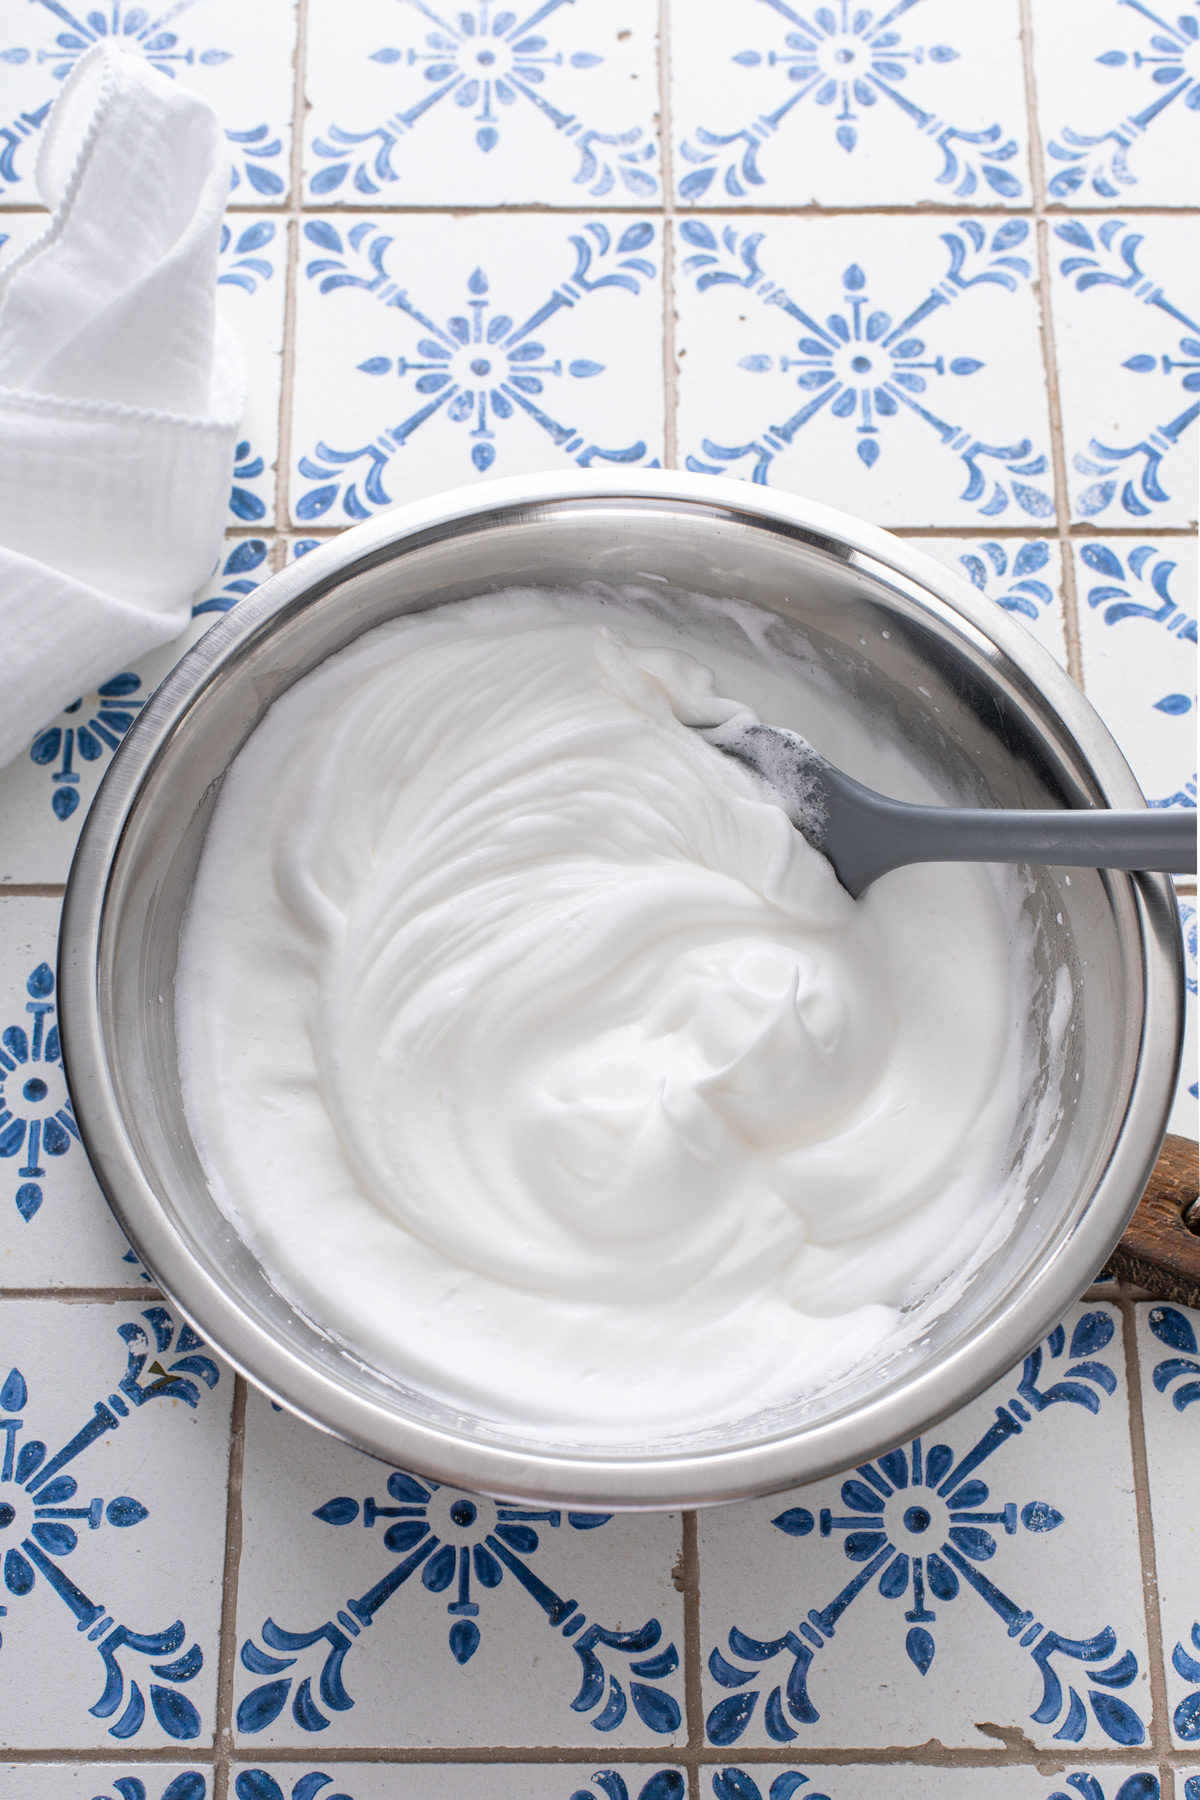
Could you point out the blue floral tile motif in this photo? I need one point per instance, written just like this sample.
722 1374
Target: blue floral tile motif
492 373
55 1228
613 1784
429 105
240 573
740 1784
36 1118
1108 260
243 262
131 26
1023 577
1178 1374
1169 1359
412 1614
260 1784
1187 919
1147 571
447 1781
466 1546
917 1527
1118 85
251 292
875 1782
1026 593
191 1784
1139 657
849 82
1142 1786
861 356
1186 1718
211 45
45 1516
86 731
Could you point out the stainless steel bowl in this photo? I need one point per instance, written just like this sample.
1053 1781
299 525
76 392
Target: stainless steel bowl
960 680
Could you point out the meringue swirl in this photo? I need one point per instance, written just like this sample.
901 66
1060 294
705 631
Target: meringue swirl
541 1059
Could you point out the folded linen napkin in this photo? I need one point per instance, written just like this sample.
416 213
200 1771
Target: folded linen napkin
120 389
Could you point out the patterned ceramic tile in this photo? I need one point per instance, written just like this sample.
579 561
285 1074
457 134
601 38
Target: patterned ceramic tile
1169 1362
783 104
1185 1119
114 1443
915 1598
449 1620
558 1781
554 102
45 794
1137 631
431 350
1139 672
1023 575
442 1781
889 366
1118 87
55 1226
251 293
239 57
106 1781
764 1781
1126 302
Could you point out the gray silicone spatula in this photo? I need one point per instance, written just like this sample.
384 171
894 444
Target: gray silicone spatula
864 834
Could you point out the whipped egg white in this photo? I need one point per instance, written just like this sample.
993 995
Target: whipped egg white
543 1062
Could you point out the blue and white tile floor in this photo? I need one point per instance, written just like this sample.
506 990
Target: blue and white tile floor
933 263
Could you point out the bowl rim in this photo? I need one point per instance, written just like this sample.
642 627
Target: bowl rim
612 1480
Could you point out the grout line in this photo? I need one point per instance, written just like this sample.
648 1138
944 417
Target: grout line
57 1757
80 1296
32 890
288 357
763 209
1160 1730
227 1641
1032 125
286 380
667 214
916 1756
935 209
693 1695
1062 502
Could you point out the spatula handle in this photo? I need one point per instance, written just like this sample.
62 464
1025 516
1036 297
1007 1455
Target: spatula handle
868 835
1088 839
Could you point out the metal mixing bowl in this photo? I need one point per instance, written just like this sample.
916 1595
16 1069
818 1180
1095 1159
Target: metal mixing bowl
961 681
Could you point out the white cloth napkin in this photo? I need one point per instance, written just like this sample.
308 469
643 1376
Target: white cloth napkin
120 390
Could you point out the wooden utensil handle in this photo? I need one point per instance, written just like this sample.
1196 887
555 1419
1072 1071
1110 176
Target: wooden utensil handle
1160 1250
